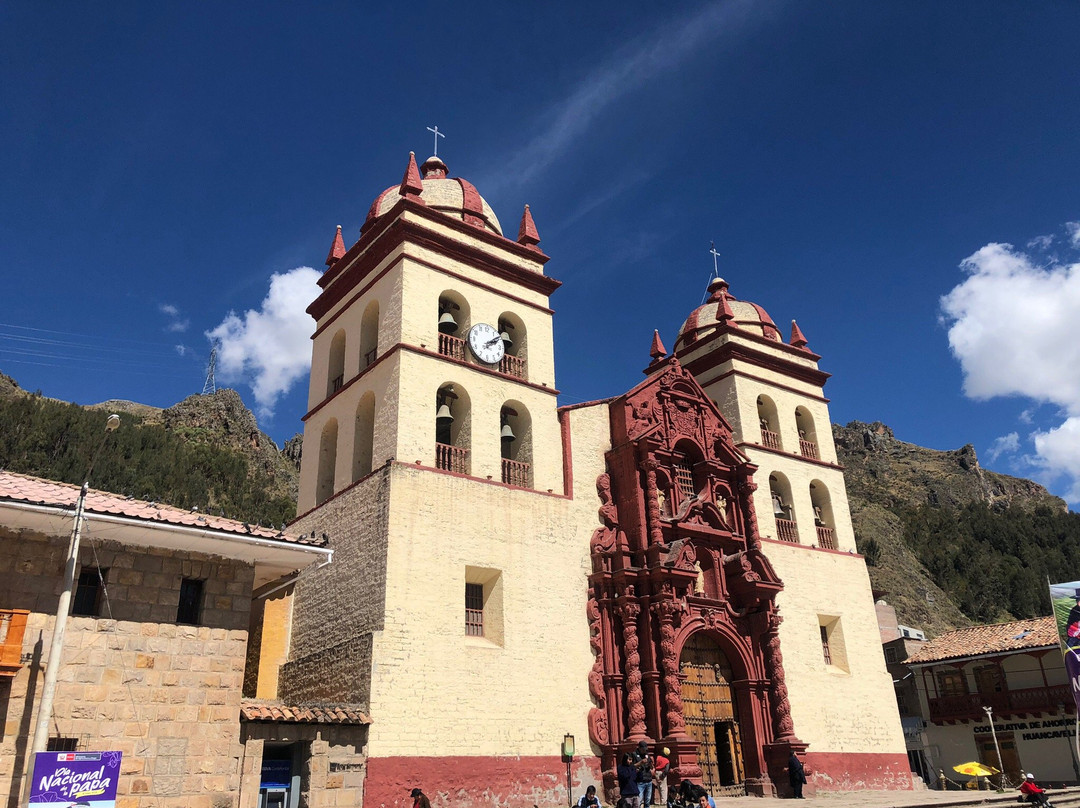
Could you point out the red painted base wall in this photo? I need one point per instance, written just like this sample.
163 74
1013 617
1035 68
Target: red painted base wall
524 782
834 771
464 782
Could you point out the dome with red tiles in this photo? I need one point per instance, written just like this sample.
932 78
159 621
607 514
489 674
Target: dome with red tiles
450 195
723 308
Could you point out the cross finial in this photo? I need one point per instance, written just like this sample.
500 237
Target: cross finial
438 135
715 256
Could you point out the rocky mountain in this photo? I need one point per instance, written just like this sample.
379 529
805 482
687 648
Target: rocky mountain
920 515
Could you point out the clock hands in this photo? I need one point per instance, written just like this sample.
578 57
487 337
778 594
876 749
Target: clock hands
492 341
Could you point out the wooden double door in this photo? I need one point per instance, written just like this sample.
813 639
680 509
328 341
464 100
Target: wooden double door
711 715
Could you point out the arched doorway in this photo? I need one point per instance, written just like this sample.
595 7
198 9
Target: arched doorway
711 715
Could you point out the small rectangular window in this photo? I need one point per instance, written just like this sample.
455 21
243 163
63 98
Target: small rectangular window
825 645
191 596
56 744
87 598
952 682
890 656
474 610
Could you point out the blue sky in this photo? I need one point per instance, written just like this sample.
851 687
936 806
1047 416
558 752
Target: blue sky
855 162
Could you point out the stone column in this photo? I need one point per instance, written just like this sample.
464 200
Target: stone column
666 611
629 611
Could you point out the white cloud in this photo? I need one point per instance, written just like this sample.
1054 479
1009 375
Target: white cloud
1005 444
1040 243
169 309
1073 231
1058 454
270 349
182 349
1013 325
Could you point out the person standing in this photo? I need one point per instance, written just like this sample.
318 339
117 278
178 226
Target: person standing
644 763
663 763
796 776
628 785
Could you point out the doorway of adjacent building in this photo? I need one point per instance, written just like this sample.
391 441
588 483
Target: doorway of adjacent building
711 715
1010 757
279 785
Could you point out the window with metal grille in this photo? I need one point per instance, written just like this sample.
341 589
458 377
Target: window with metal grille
474 610
952 682
88 595
825 645
56 744
684 478
191 596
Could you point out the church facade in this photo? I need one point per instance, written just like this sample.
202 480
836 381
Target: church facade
675 564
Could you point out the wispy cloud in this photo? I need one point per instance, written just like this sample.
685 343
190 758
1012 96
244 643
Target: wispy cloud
1012 326
176 324
1006 444
270 348
648 58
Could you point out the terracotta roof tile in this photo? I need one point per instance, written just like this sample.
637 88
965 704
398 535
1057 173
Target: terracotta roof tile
995 639
302 714
37 491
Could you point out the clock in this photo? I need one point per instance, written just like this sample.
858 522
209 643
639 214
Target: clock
486 344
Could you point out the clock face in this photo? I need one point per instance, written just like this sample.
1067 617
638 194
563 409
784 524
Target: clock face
486 343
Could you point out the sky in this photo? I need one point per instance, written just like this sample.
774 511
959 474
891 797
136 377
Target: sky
899 176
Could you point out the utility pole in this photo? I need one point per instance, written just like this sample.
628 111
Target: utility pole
210 386
993 733
52 664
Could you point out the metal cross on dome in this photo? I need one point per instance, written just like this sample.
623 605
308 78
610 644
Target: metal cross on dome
715 256
438 135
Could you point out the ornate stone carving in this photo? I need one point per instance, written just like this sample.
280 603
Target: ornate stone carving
684 418
603 538
747 487
783 726
598 723
640 416
669 612
629 610
652 500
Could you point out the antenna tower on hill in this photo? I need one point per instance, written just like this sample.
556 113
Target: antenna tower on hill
209 386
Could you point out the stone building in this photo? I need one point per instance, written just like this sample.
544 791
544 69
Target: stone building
155 649
674 564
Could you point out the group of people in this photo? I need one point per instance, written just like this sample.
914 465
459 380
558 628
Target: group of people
641 774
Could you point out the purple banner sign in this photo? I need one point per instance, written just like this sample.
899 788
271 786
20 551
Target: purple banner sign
68 779
1065 599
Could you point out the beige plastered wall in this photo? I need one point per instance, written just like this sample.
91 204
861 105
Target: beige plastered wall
848 706
432 686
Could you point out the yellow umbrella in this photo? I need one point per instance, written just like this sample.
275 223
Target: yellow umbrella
975 769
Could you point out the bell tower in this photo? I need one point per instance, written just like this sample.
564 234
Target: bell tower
432 346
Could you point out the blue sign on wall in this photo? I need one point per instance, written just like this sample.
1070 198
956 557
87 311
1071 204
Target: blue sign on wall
75 779
276 773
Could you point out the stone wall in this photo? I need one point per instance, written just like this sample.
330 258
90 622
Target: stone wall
166 695
339 674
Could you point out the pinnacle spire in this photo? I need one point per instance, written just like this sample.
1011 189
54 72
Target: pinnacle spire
724 313
527 234
337 249
411 185
797 338
657 351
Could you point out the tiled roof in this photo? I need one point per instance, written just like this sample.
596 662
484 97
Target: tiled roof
304 714
36 491
979 640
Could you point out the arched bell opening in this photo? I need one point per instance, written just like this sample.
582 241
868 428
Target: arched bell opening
369 335
324 487
769 420
453 324
453 413
335 367
808 441
787 529
823 515
515 444
711 713
364 437
515 341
